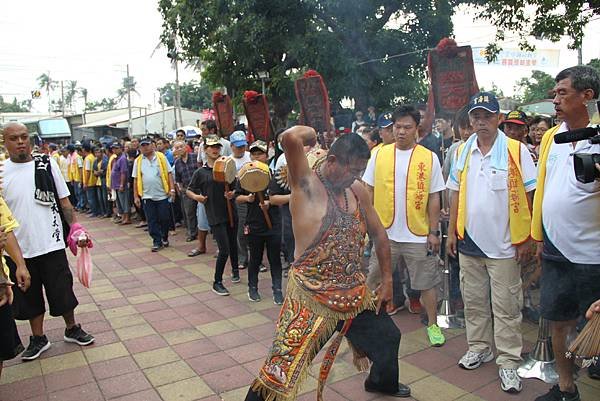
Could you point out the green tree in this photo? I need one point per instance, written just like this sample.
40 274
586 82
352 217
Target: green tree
107 103
48 84
548 19
70 92
194 96
83 92
536 87
338 38
595 63
14 106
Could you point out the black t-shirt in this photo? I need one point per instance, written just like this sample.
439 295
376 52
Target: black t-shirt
255 219
202 183
434 143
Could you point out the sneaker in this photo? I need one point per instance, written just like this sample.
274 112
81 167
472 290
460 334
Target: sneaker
414 306
219 289
392 309
235 278
156 248
253 294
37 345
77 335
510 380
472 360
277 297
554 394
436 337
262 268
165 243
241 267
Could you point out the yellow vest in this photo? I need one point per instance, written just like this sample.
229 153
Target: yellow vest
538 198
418 178
378 146
74 173
111 159
164 172
89 179
9 223
518 207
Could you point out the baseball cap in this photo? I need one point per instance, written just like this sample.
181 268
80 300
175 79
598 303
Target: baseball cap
146 140
516 117
238 138
115 145
384 120
70 147
261 145
486 101
212 140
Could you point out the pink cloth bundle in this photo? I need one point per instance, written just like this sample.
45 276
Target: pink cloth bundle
84 259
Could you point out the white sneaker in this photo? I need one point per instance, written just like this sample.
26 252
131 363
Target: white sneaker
472 360
510 380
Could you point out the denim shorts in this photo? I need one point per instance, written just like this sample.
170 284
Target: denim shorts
568 289
202 218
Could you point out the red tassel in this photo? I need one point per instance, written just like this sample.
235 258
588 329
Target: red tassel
217 97
251 96
447 47
311 73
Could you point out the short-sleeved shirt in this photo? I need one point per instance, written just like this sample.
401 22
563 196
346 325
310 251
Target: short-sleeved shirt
119 169
570 209
240 161
399 231
202 183
9 223
40 228
152 183
184 169
255 219
434 143
487 231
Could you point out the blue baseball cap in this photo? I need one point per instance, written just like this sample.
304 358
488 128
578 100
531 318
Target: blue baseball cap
486 101
384 120
238 139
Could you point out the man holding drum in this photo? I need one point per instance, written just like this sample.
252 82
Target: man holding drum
223 225
327 291
258 231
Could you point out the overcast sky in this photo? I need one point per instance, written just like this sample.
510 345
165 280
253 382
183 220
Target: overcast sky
93 41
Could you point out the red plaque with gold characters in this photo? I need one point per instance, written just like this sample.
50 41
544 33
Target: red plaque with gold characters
312 95
452 76
257 113
224 113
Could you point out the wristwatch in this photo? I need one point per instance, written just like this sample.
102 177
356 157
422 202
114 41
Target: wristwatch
434 232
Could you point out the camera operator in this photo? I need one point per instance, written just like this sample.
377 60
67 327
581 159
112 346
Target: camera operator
566 224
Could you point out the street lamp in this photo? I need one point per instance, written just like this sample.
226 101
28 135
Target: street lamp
264 76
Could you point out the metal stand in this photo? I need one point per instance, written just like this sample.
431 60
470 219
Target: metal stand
446 315
539 364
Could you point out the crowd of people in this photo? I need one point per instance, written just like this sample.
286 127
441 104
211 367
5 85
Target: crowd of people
495 183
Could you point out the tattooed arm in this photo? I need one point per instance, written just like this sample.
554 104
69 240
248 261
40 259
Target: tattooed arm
67 209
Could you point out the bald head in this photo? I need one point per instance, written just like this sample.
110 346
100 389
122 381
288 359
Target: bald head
16 141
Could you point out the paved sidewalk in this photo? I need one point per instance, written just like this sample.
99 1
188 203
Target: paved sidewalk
161 334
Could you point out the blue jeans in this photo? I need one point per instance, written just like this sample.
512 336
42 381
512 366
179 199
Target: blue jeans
158 216
79 195
92 198
102 197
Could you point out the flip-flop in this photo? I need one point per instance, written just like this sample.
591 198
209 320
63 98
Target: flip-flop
195 252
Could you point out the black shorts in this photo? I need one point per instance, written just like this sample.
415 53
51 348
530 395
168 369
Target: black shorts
10 343
568 289
50 271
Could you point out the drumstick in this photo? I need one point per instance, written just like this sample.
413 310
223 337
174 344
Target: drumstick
229 209
261 200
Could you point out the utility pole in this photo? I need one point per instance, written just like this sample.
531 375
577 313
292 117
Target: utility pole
129 102
579 56
177 92
62 97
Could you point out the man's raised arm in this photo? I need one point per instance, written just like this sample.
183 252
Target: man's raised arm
293 141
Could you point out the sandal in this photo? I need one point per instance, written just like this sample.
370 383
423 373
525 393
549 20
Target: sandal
196 252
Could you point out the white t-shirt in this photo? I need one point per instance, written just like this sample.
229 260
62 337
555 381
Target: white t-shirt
399 231
225 150
487 201
40 231
571 209
239 162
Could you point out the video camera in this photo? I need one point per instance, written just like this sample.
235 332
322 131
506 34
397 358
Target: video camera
584 163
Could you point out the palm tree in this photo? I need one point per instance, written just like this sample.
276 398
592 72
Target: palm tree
47 83
84 94
128 83
71 92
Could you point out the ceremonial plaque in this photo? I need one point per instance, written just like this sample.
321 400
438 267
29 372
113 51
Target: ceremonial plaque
224 113
257 113
312 95
452 76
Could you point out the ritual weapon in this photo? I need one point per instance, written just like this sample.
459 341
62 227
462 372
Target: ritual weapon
256 109
313 98
224 113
